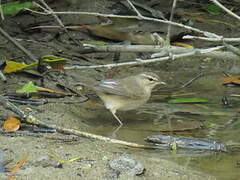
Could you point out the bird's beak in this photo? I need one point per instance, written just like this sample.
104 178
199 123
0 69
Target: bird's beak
161 82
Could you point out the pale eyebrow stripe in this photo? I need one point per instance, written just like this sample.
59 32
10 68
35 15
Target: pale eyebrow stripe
150 77
109 82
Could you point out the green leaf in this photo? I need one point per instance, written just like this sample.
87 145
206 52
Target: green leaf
12 66
14 7
187 100
97 43
27 88
212 9
51 59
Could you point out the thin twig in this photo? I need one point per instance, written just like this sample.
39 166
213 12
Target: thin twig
18 45
220 39
135 17
1 11
191 81
158 51
148 61
169 25
2 77
137 48
39 7
220 55
60 23
164 51
155 13
234 95
232 48
225 9
135 9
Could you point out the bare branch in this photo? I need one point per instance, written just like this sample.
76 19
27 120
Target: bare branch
232 49
1 11
137 48
155 13
133 17
148 61
221 39
60 22
135 9
191 80
19 46
225 9
171 19
33 120
2 77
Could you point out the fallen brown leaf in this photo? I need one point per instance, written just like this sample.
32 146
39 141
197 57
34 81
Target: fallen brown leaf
232 80
11 124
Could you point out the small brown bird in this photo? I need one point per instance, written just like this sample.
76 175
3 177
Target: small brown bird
127 93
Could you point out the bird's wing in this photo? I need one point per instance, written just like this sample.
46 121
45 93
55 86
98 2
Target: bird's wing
113 87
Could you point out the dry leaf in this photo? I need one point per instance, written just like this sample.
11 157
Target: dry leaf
11 124
115 32
19 164
182 44
232 80
58 66
55 62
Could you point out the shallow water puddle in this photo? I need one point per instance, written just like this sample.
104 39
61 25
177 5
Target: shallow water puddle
205 121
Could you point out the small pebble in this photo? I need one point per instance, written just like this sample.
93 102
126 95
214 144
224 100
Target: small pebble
126 165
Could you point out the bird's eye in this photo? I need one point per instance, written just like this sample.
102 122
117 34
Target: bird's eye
150 79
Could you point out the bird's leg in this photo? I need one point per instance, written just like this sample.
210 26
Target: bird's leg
120 122
115 131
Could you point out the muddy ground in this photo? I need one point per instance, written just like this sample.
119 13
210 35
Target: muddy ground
91 116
